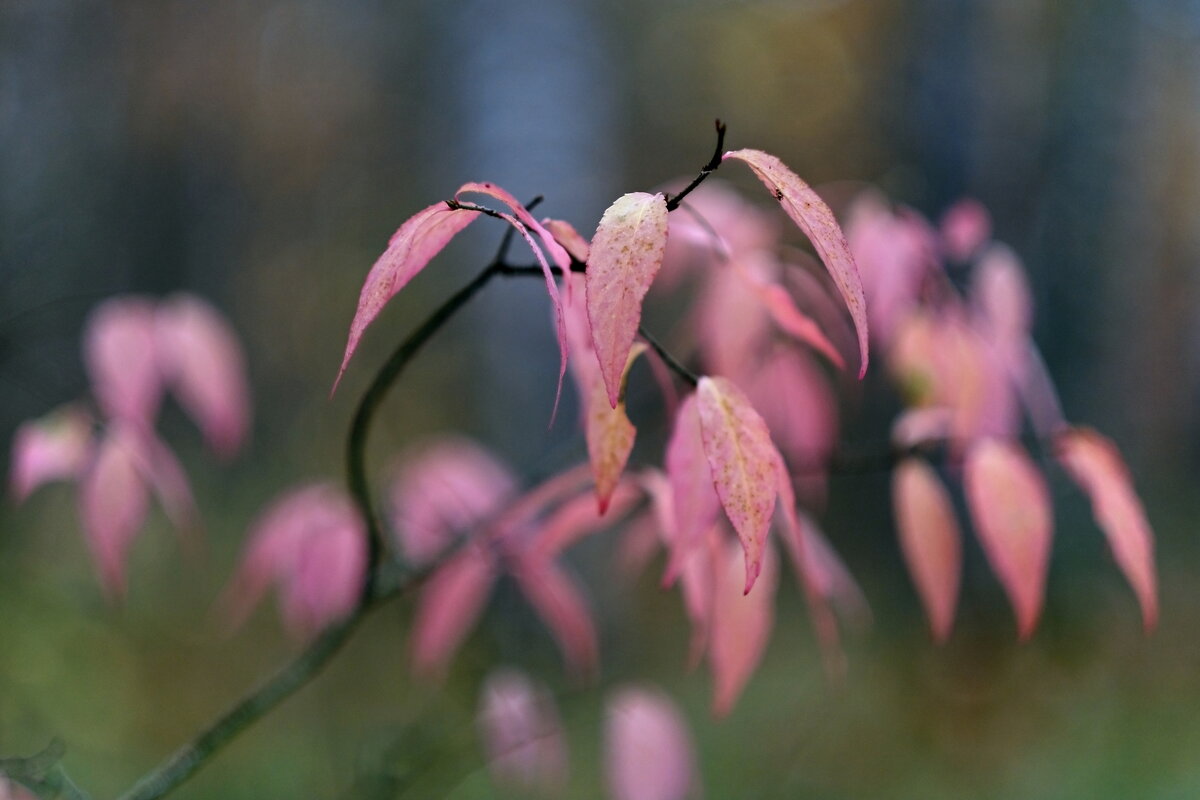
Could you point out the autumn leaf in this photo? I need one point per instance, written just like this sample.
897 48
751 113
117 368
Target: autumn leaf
1093 462
1010 506
929 540
816 219
410 250
626 254
744 464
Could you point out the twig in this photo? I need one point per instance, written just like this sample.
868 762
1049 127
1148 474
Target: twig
668 359
705 171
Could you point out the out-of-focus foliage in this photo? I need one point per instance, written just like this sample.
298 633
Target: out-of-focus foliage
260 154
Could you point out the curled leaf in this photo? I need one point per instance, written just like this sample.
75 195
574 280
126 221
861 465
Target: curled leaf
816 219
744 464
1094 463
929 540
741 626
648 751
626 254
411 248
1010 506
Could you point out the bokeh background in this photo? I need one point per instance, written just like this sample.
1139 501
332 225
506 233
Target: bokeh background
260 153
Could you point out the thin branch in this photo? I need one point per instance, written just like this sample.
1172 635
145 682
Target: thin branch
705 171
360 426
672 363
189 758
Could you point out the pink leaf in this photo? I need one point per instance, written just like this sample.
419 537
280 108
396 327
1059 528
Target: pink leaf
449 606
609 434
579 517
565 234
443 490
312 543
626 254
694 498
1094 463
794 397
522 734
816 219
741 626
411 248
648 750
796 323
199 354
112 504
53 448
121 359
929 540
523 222
1010 506
557 601
326 582
163 473
744 464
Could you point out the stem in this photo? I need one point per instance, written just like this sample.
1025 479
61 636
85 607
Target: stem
189 758
705 171
360 427
668 359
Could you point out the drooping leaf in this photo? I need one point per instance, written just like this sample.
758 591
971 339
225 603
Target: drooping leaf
443 489
55 447
1093 462
411 248
449 606
1010 507
648 750
816 219
556 599
579 517
694 497
744 464
200 358
122 361
522 734
929 540
523 222
741 626
626 254
572 241
796 323
112 501
609 434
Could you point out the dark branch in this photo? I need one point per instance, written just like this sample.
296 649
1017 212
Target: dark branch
510 234
672 363
705 171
